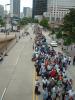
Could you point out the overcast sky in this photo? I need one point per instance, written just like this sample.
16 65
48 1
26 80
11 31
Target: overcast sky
24 3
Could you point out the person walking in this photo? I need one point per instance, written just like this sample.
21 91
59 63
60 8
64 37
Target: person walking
74 60
44 82
49 96
45 94
33 46
69 60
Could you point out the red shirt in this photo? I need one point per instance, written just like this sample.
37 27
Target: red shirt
52 73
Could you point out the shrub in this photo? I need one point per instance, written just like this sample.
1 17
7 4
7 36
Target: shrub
67 41
59 35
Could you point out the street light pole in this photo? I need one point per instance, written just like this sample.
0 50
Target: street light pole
6 15
5 27
62 41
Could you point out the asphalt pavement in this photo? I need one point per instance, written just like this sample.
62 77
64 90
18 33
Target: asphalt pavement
16 72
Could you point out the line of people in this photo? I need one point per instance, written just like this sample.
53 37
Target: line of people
51 67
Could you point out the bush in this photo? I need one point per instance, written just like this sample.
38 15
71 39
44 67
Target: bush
67 41
44 23
35 21
59 35
53 32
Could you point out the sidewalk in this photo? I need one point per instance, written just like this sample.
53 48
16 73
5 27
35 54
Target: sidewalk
71 72
71 50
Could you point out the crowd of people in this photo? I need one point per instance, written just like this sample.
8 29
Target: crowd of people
51 67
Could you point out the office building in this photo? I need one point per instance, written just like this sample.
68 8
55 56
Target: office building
1 11
39 6
15 8
56 9
27 12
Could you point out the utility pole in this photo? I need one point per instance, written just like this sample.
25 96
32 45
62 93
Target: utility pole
5 27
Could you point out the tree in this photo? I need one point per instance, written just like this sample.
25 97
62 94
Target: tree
35 21
67 41
44 23
2 23
69 27
23 21
26 20
59 35
69 22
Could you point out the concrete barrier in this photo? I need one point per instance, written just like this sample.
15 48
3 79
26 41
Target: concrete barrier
4 38
5 47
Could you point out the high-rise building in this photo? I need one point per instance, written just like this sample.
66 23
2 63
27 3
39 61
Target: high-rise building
65 3
15 8
27 11
58 8
39 6
1 11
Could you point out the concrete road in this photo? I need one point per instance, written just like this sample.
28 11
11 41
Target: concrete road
16 72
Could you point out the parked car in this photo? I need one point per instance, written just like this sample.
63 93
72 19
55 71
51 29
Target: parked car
54 44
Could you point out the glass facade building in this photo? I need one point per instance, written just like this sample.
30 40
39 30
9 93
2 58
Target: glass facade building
15 8
39 6
27 11
1 11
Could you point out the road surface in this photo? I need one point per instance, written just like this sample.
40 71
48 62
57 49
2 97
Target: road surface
16 72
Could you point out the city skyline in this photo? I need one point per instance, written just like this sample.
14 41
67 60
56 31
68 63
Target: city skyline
24 3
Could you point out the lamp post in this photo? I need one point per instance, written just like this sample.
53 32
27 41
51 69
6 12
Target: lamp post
5 27
6 15
62 41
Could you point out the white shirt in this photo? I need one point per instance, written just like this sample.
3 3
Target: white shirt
37 83
69 58
70 93
44 81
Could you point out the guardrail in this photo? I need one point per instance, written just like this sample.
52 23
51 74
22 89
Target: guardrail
5 38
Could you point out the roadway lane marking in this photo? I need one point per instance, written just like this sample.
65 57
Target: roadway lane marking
19 55
3 94
36 97
17 60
